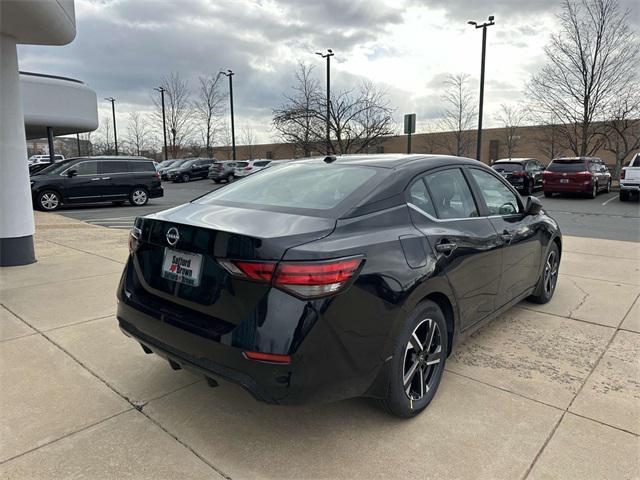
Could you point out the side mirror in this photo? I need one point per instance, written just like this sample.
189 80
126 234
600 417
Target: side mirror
533 206
72 173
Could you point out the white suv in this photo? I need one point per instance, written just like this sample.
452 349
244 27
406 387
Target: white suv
36 159
246 168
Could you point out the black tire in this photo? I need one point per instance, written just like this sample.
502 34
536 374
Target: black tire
216 180
185 178
548 194
594 190
609 186
425 316
527 190
138 197
624 195
231 178
48 200
549 278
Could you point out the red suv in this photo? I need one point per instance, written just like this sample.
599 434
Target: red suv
576 175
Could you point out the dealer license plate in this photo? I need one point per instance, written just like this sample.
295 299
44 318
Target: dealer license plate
182 267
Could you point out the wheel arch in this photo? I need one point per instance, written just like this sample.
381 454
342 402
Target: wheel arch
48 189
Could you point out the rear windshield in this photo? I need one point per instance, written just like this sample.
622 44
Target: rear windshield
567 166
261 164
507 167
298 186
241 164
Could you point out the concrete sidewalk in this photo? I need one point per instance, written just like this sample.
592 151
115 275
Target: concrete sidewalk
549 391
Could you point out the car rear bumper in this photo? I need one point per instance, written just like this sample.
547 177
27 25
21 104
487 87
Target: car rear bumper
156 192
322 368
573 187
630 187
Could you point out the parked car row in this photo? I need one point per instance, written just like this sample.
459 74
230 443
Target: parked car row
585 175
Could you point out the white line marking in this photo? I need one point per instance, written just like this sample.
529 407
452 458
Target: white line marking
604 203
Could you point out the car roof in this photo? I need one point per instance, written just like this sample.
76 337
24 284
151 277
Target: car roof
513 160
394 160
112 157
584 159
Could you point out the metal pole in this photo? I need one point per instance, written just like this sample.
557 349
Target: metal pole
52 157
409 143
328 104
484 53
115 132
164 125
78 140
233 131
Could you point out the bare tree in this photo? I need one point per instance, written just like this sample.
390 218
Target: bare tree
359 120
208 109
103 145
297 120
137 133
178 111
622 128
511 118
590 61
459 115
248 140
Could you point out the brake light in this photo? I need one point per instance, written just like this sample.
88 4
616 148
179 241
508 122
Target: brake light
303 279
519 173
157 175
134 239
268 357
622 174
247 168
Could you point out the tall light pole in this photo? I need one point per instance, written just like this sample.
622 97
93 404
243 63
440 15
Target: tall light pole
113 111
328 56
164 121
484 52
229 74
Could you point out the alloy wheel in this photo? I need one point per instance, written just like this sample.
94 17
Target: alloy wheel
422 359
139 197
49 201
551 272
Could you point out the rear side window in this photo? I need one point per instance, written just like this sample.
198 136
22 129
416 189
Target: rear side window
451 194
635 162
261 164
567 166
419 196
113 166
141 167
86 168
296 186
241 164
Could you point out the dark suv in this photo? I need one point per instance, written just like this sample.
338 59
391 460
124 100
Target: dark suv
523 173
220 171
96 179
190 170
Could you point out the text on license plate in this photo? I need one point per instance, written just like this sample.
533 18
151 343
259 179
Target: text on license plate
564 180
182 267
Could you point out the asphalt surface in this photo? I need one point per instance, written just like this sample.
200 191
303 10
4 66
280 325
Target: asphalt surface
603 217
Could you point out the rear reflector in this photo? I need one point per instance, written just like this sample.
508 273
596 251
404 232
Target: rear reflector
303 279
268 357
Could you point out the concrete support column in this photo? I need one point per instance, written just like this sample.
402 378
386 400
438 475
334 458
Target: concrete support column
16 211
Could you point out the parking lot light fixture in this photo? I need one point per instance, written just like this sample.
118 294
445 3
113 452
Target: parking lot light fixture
229 74
328 56
115 132
488 23
164 121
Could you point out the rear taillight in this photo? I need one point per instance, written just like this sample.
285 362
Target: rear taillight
519 174
622 173
303 279
157 175
247 168
134 239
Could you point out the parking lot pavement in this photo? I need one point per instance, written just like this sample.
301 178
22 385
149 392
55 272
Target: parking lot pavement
544 391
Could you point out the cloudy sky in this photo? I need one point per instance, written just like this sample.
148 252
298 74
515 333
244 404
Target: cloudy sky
124 47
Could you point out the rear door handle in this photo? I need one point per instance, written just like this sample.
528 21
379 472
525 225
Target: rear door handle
446 248
94 179
106 178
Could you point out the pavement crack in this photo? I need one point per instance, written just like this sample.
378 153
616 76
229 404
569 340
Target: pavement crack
582 300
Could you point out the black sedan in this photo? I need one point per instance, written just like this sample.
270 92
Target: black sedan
324 279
